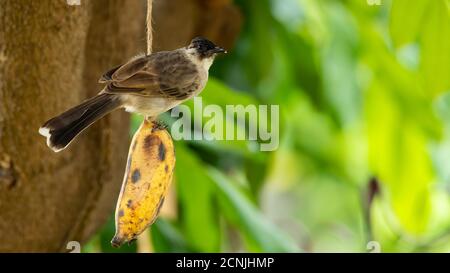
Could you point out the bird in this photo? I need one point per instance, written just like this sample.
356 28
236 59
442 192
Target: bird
148 85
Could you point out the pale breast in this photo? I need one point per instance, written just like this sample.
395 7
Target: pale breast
148 106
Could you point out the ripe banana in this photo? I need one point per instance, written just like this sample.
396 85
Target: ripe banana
149 171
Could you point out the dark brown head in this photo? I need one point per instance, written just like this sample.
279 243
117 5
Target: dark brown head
205 48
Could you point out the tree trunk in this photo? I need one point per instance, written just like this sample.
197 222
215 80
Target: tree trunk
51 56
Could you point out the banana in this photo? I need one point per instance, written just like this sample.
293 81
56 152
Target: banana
149 172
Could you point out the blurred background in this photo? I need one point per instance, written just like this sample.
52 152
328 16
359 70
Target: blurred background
364 150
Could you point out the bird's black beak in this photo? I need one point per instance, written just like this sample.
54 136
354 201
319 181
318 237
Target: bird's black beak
218 49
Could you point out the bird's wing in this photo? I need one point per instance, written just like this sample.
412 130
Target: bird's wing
169 75
125 71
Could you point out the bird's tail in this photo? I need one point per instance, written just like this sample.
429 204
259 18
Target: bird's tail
62 129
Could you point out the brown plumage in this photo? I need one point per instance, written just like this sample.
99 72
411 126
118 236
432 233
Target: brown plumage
163 74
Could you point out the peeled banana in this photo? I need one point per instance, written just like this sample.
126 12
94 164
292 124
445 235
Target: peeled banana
149 171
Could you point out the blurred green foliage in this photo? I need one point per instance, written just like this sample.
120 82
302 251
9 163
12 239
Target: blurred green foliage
363 92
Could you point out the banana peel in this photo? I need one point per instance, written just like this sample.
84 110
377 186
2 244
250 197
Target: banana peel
149 172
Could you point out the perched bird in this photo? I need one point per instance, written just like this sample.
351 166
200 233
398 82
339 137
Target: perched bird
147 85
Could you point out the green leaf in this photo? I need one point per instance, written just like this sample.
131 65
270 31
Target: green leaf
216 93
198 216
339 63
136 121
435 42
262 235
406 20
399 157
167 238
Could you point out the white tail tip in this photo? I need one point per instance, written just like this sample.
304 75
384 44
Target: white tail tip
45 132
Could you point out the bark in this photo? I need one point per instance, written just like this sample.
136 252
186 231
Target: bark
51 56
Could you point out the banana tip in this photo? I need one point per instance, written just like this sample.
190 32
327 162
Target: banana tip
117 241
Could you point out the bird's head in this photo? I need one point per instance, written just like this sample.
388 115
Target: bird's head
204 48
